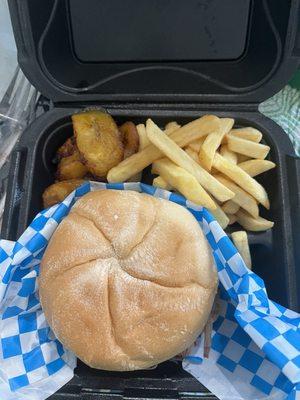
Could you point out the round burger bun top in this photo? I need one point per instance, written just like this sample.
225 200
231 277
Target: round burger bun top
127 280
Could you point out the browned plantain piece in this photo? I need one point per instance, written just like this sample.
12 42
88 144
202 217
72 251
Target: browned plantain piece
98 141
130 138
67 149
71 167
59 191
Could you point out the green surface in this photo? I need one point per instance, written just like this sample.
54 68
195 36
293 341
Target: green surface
295 81
284 109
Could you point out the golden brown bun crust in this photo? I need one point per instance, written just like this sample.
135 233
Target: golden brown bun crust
127 280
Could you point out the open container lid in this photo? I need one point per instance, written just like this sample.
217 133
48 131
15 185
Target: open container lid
206 51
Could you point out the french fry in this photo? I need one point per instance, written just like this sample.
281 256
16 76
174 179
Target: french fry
220 216
244 180
230 207
144 141
246 133
256 167
171 127
242 198
183 136
182 159
161 183
232 219
196 145
135 178
228 154
253 224
192 154
248 148
184 182
240 240
213 141
195 130
242 158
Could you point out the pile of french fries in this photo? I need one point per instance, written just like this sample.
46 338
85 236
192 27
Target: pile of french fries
210 163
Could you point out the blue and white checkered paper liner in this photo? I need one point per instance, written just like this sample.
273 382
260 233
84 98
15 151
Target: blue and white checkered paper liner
255 350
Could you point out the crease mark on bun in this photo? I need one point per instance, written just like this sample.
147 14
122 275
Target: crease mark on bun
83 215
144 236
59 269
78 211
111 318
135 247
190 284
61 273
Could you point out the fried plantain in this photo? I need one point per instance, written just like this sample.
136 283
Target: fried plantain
59 191
130 138
98 141
71 167
67 149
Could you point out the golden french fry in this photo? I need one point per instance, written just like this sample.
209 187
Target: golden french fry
195 130
183 136
161 183
182 159
240 240
213 141
230 207
246 133
247 148
171 127
196 145
192 154
242 158
232 218
144 141
253 224
228 154
220 216
244 180
134 164
256 167
184 182
135 178
242 198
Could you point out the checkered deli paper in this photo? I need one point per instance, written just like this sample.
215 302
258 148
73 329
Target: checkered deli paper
255 349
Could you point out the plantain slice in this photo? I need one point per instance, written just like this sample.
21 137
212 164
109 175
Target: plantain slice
59 191
67 149
130 138
98 141
71 167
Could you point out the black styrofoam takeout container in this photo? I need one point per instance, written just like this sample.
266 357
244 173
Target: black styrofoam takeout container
168 60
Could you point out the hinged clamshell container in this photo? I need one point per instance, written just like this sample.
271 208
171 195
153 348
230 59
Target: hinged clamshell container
168 60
